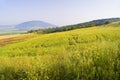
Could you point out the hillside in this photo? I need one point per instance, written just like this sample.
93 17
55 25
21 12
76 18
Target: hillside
98 22
82 54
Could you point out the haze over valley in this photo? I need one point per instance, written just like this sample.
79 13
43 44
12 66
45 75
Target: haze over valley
24 27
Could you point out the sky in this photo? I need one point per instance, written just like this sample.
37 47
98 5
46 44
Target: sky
58 12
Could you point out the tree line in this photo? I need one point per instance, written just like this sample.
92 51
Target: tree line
76 26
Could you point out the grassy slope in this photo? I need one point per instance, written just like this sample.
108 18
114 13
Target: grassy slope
82 54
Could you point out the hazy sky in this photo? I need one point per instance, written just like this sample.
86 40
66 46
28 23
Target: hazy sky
59 12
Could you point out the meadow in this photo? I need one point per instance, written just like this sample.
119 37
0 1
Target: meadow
81 54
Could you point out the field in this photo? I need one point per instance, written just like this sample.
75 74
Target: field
9 39
81 54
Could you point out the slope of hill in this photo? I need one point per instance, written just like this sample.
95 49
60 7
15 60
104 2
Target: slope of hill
77 26
81 54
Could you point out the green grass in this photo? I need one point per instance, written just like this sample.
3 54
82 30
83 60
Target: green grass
82 54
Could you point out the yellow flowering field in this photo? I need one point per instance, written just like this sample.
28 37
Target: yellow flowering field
81 54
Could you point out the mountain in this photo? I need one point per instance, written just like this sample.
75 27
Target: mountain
24 27
33 25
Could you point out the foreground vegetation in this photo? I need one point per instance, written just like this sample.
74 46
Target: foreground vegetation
82 54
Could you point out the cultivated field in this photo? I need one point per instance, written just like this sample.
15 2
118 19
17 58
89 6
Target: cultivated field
9 39
82 54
